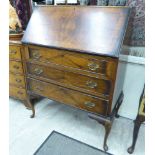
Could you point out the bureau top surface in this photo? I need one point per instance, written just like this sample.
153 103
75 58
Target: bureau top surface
88 29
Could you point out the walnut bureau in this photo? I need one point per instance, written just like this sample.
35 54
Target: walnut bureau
72 56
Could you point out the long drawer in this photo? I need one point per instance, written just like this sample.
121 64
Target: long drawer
68 96
17 80
16 92
14 52
90 63
92 85
16 67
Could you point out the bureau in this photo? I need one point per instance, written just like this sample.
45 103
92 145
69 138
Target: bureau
17 85
72 56
17 79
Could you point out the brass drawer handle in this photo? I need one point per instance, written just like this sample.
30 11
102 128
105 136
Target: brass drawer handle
16 67
89 104
91 84
13 52
93 66
19 92
36 55
38 88
38 71
18 80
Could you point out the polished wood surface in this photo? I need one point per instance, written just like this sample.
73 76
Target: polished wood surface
14 52
60 68
17 80
16 37
18 93
93 30
71 55
70 97
16 67
72 70
77 61
69 79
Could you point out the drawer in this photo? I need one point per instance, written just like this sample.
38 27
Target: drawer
16 92
92 85
16 67
80 61
17 80
68 96
14 52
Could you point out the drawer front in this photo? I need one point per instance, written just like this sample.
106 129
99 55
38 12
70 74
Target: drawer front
90 84
16 92
89 63
68 96
14 52
17 80
16 67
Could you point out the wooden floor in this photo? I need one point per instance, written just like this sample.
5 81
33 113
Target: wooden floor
27 134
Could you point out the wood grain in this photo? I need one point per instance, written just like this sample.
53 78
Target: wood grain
14 52
67 96
88 29
71 56
77 61
16 67
92 85
17 85
17 80
16 92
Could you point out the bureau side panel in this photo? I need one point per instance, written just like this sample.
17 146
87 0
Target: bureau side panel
119 82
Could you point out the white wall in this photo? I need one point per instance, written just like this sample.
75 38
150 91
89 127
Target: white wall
133 84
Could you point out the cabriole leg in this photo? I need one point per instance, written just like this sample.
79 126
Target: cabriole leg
31 105
108 120
107 126
27 105
137 124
